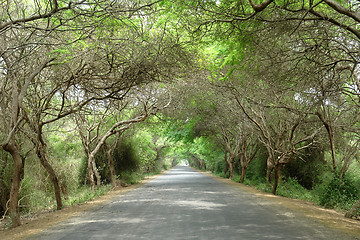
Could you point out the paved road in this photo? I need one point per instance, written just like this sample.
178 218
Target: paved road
186 204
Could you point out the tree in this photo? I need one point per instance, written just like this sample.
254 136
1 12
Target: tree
277 113
14 86
249 149
92 143
36 37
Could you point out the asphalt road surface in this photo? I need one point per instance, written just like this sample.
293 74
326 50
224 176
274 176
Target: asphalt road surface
186 204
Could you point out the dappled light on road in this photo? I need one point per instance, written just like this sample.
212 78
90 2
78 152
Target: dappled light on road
186 204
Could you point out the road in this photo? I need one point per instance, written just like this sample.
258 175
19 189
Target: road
186 204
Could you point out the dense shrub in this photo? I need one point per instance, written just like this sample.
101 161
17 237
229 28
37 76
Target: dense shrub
125 162
292 189
257 168
125 159
219 166
308 168
334 192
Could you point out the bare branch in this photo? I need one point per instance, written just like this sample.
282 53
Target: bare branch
343 10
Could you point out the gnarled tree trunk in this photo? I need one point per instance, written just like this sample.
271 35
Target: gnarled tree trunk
110 156
41 153
330 132
276 178
14 210
91 159
269 168
243 173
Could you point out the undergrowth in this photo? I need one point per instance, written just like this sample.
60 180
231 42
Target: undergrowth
331 192
84 194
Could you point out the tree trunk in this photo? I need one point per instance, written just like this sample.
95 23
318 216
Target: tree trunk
91 172
276 178
14 210
226 169
226 163
269 169
331 138
110 157
345 166
41 152
203 165
231 167
243 173
97 174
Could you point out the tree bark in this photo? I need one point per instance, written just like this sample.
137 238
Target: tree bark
231 166
14 210
226 168
91 172
110 157
231 171
41 153
276 178
269 169
243 173
96 172
331 138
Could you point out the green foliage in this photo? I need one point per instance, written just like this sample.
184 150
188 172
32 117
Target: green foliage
292 189
181 130
307 169
34 197
259 184
84 194
205 149
125 157
221 174
219 167
334 192
145 150
131 177
257 168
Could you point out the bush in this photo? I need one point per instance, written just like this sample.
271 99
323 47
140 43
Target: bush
221 174
308 169
257 168
334 192
85 194
236 177
125 160
291 188
219 166
259 184
130 177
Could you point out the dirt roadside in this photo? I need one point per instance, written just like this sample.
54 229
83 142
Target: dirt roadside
331 218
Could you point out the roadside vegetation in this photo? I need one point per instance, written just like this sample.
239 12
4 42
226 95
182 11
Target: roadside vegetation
97 94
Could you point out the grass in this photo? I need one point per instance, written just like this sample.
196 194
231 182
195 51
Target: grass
84 194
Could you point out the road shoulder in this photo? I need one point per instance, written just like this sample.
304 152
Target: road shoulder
330 218
47 220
